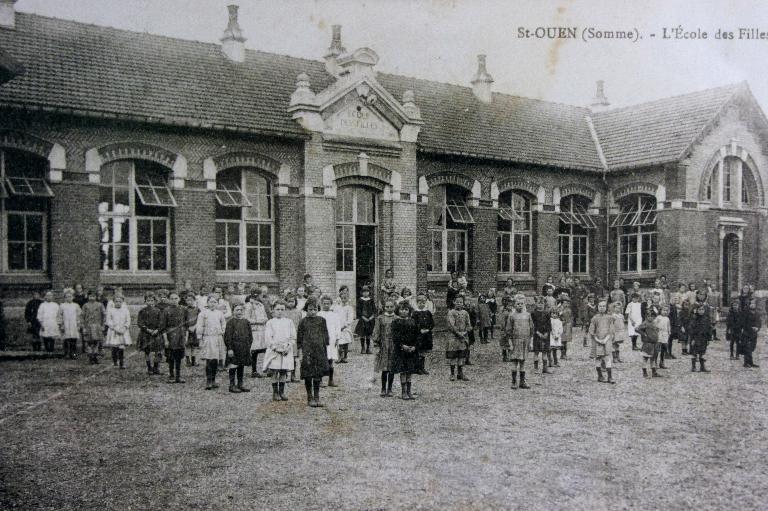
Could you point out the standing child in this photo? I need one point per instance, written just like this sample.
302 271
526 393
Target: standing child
649 333
566 316
30 316
118 330
388 285
174 336
601 331
346 316
150 341
238 337
470 305
459 324
210 332
201 300
294 314
424 323
49 317
519 332
555 335
334 331
663 324
405 357
700 334
193 343
733 329
634 313
366 316
588 312
674 324
503 337
280 335
620 331
256 315
750 325
94 316
484 322
382 339
493 306
542 326
80 299
312 339
71 323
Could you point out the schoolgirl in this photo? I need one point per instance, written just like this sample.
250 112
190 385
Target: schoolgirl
210 331
118 330
366 317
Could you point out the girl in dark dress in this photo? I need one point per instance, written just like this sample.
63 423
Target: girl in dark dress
700 334
175 333
733 329
312 339
424 323
238 337
405 357
750 325
366 317
150 341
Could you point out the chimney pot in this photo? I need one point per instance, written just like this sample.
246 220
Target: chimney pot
7 13
233 40
600 101
481 83
334 51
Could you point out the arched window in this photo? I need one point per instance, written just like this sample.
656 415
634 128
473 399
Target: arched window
24 207
575 225
244 221
449 219
727 176
513 240
134 215
354 206
636 229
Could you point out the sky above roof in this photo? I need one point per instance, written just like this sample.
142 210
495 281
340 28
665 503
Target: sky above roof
439 39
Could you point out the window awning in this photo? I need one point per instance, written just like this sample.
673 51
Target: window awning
28 186
232 196
508 213
459 212
578 216
632 216
154 192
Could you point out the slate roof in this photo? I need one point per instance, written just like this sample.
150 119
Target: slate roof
8 67
92 70
658 131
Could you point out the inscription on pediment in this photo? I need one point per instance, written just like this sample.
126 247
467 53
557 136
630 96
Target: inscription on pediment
359 120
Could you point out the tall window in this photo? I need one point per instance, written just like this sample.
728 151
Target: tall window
134 210
724 188
449 219
513 239
244 221
729 165
24 206
354 206
575 225
636 227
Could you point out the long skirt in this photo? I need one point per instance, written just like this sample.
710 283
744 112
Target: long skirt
519 347
212 347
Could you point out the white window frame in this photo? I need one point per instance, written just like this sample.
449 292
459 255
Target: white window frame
579 214
133 233
513 246
720 176
641 233
244 221
347 226
443 231
4 213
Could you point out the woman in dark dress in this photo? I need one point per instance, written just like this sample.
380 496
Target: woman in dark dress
312 339
405 357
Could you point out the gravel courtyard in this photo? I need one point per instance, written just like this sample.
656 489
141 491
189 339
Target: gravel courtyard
74 436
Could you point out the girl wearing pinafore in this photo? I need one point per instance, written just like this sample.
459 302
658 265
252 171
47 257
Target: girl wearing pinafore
382 338
118 334
519 332
295 314
346 314
256 315
280 336
210 331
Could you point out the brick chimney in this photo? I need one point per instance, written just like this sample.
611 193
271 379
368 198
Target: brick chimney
481 83
599 102
7 14
334 51
233 41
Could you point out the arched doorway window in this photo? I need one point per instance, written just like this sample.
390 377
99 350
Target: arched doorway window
244 221
449 220
513 240
24 209
575 224
636 232
134 215
727 176
356 219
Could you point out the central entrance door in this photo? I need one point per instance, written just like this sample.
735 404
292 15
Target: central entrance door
730 268
356 217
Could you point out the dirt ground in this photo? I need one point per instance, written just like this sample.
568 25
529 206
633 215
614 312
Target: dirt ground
74 436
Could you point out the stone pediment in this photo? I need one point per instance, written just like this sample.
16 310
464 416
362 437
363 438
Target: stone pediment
358 116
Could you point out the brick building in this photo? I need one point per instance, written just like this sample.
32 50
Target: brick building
142 161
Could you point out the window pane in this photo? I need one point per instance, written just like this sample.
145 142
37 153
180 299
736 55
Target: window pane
265 235
34 228
252 235
221 233
221 258
144 253
348 264
16 256
105 199
505 262
265 259
158 232
144 230
15 227
233 259
122 172
122 202
339 260
34 256
252 259
159 260
233 233
121 257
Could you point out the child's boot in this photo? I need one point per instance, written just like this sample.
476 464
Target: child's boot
156 367
514 379
544 369
275 396
308 387
149 368
453 375
535 365
408 391
523 383
403 393
316 389
585 341
281 391
654 373
554 358
703 367
121 358
504 356
390 381
618 357
693 365
114 357
645 372
460 375
194 362
600 375
610 376
330 378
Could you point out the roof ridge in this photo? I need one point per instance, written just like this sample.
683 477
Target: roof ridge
735 86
